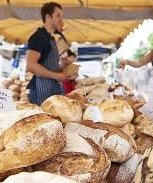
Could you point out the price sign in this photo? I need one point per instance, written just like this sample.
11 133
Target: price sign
6 100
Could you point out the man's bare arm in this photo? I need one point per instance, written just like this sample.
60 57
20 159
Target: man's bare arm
38 70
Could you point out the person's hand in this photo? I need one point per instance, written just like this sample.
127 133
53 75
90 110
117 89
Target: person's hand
123 63
60 76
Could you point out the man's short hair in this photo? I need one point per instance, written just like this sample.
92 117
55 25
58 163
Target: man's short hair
48 9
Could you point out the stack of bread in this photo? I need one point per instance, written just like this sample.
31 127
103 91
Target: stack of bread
102 143
18 87
93 89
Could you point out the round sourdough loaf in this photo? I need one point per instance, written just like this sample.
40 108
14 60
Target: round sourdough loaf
37 177
114 112
31 140
81 159
124 173
66 109
118 145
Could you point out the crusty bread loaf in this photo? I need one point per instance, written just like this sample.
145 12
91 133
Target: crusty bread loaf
89 81
7 82
84 90
129 129
20 105
124 173
80 98
14 88
114 112
31 140
71 69
68 110
118 145
143 142
81 159
145 127
7 120
17 82
37 177
144 173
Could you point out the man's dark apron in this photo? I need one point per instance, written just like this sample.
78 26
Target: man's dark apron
47 87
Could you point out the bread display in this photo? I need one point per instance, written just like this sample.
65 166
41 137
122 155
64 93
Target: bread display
89 81
125 172
144 171
143 142
37 177
71 69
81 159
114 112
66 109
118 145
18 87
31 140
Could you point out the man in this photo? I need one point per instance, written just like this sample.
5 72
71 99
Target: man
143 61
43 57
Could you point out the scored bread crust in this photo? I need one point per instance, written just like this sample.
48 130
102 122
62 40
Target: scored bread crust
77 165
118 145
64 108
116 112
31 140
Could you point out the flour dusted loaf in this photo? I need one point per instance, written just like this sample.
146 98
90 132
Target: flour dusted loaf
31 140
37 177
66 109
145 125
81 159
114 112
125 172
144 173
118 145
